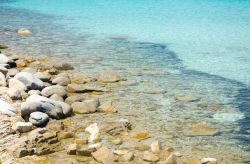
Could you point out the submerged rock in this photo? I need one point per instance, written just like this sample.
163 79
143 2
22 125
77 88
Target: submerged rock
63 66
75 98
104 155
107 107
94 131
55 89
109 76
150 157
61 80
82 88
29 80
7 109
208 161
201 129
24 31
85 107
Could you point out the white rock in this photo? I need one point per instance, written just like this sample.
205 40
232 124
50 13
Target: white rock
23 127
211 160
16 84
45 77
55 89
29 80
24 31
6 108
3 70
14 94
34 92
2 80
94 131
38 118
155 147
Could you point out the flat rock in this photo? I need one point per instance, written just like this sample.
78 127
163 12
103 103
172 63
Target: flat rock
208 161
63 66
38 118
85 107
104 155
7 109
55 89
109 76
29 80
82 88
188 98
201 129
23 127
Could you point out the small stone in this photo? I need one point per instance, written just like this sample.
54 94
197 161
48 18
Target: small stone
85 107
150 157
56 97
95 146
128 156
94 131
29 80
104 155
14 94
83 151
2 80
55 89
34 92
81 141
171 159
45 77
3 70
193 161
16 84
120 152
38 118
80 88
141 135
107 107
12 73
23 127
20 63
24 31
65 135
117 141
188 98
208 161
72 149
63 66
7 109
201 129
155 147
141 147
61 80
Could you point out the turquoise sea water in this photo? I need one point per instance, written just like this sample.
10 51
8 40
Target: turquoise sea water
195 47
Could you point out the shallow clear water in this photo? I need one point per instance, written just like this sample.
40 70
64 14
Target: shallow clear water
191 48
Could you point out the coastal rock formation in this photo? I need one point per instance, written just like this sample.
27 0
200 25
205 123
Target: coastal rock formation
29 80
38 118
24 31
109 76
7 109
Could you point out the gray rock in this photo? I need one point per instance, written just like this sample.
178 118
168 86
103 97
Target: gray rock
2 80
29 80
56 89
3 70
61 80
38 118
55 109
16 84
85 107
109 76
14 94
23 126
6 108
45 77
63 66
12 72
56 97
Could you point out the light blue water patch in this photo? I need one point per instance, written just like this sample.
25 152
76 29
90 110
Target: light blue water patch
208 35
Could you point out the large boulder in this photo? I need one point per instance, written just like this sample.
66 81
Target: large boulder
38 118
109 76
2 80
6 108
55 89
34 103
29 80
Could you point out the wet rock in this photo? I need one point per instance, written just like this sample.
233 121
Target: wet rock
81 79
24 32
107 107
154 91
150 157
141 135
208 161
83 151
36 103
72 149
23 127
2 80
55 89
7 109
20 152
201 129
104 155
21 63
34 92
75 98
120 152
85 107
116 128
155 147
12 73
61 80
2 46
65 135
109 76
3 70
63 66
171 159
29 80
38 118
14 94
94 131
140 146
117 141
56 97
82 88
81 141
188 98
129 83
45 77
16 84
128 156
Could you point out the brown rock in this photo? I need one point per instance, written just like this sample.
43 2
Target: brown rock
85 107
109 76
104 155
2 46
75 98
150 157
128 156
83 151
171 159
71 150
107 107
201 129
155 147
63 66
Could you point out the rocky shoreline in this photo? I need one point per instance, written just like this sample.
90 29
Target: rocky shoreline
38 102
